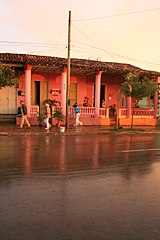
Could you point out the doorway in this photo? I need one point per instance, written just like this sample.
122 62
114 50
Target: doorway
102 94
39 93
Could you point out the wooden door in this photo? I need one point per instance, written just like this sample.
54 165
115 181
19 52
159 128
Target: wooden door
73 93
43 93
39 93
8 100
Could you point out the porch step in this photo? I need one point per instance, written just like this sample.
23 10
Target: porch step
7 118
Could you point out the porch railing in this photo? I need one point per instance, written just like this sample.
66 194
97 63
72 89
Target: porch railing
144 112
104 112
122 112
83 110
91 110
34 110
138 112
87 110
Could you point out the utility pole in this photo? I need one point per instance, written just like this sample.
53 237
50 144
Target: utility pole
68 70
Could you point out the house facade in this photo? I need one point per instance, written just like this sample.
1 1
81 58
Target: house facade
42 77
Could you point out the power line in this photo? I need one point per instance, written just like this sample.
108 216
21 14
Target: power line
99 51
23 45
31 43
58 36
113 55
92 41
117 15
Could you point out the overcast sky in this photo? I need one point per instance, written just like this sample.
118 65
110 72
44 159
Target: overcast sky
125 31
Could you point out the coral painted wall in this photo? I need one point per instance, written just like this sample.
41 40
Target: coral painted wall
85 86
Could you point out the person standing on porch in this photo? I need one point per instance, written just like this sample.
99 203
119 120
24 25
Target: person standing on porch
103 103
24 114
85 102
77 114
47 112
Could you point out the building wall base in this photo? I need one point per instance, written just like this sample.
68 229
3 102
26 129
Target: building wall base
138 121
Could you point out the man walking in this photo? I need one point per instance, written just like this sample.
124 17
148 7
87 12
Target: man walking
24 114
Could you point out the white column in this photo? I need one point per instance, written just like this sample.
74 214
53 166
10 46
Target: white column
63 90
97 92
28 87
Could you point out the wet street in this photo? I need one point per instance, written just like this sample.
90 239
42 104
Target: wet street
80 187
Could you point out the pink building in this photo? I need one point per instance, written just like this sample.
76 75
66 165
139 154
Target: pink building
41 77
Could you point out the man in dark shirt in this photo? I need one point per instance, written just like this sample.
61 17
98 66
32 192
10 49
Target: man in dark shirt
24 114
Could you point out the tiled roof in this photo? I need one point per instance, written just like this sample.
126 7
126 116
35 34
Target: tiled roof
31 59
47 61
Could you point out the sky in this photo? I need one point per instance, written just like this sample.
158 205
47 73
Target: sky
123 31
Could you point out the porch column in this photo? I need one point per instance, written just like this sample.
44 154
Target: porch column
156 100
129 107
63 90
97 92
28 87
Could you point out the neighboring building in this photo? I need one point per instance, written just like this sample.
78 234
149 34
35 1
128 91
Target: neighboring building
43 77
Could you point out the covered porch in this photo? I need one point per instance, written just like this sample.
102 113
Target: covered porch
41 77
142 117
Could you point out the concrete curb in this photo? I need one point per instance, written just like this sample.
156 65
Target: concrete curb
11 130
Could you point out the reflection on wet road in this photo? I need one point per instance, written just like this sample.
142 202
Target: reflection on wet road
80 187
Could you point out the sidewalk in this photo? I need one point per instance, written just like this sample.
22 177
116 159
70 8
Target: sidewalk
11 129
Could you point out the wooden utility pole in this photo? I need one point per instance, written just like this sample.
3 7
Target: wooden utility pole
68 70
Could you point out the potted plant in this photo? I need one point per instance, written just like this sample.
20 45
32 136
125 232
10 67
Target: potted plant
40 119
53 104
58 115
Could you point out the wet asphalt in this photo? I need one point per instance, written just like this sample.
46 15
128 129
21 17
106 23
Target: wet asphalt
79 184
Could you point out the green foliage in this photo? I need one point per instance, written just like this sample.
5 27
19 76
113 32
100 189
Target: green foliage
7 77
138 87
58 114
40 118
158 122
52 102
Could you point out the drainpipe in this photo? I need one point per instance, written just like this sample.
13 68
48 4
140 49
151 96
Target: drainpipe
28 87
97 92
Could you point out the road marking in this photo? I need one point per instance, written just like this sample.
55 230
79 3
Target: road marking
140 150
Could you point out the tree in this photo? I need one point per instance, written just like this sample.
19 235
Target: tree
7 77
137 87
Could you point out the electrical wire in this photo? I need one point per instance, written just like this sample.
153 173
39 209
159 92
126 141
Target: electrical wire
50 46
113 55
117 15
31 43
